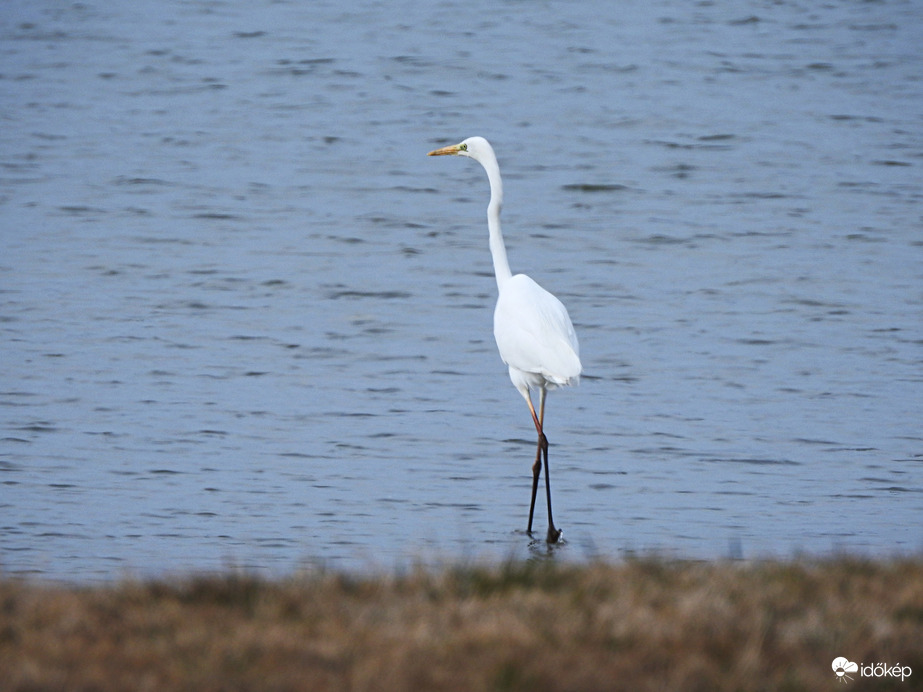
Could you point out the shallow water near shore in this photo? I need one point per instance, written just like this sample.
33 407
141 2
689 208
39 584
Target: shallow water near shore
247 322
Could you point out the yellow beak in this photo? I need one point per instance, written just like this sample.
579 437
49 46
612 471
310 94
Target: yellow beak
446 151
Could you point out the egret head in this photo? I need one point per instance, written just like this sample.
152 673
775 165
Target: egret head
476 148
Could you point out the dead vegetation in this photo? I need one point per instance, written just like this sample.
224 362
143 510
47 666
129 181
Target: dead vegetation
639 625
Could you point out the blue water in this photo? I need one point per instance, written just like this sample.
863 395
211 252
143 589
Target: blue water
246 322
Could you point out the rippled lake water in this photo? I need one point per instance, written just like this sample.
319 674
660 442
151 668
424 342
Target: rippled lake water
247 323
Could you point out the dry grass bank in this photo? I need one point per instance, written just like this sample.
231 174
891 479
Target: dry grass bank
642 625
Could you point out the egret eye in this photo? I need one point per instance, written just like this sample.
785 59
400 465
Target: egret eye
463 147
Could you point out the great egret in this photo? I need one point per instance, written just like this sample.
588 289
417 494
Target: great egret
534 333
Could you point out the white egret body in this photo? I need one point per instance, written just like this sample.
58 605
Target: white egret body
533 330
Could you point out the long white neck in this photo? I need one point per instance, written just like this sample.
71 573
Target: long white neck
497 248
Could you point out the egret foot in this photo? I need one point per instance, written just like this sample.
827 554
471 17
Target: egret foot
553 535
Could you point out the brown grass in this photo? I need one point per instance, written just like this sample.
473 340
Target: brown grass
641 625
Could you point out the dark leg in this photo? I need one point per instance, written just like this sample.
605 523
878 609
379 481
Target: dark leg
553 533
536 472
542 445
541 452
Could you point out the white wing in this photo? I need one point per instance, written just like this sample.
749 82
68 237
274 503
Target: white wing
534 333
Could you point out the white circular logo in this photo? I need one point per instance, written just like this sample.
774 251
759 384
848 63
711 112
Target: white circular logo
841 666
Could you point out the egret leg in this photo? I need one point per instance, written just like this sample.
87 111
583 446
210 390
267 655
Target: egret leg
541 453
553 533
536 472
542 445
